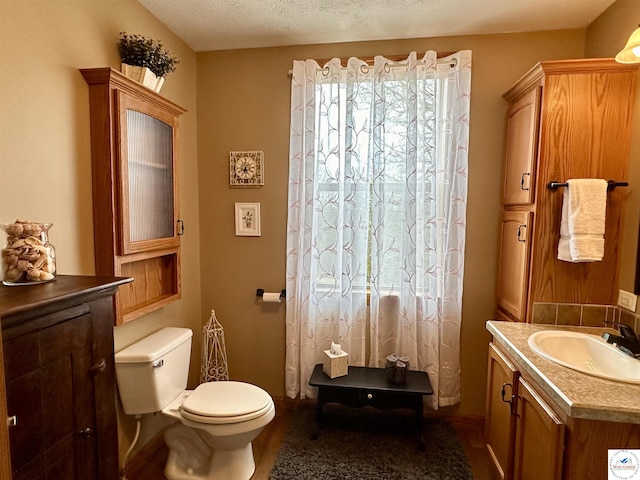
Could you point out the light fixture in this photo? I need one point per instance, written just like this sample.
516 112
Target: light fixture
631 51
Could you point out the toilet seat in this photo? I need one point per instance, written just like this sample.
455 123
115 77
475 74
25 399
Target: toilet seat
225 402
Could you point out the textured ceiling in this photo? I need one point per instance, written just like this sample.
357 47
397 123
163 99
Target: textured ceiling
229 24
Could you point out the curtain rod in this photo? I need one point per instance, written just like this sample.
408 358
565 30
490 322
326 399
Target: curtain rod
369 60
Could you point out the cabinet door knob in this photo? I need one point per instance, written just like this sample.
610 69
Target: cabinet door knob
521 236
369 396
522 183
98 367
86 433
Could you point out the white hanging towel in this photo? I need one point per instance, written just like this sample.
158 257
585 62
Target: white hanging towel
584 208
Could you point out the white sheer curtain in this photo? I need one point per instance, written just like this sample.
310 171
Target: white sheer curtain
376 215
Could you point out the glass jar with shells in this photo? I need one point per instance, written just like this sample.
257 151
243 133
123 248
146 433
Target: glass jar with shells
28 258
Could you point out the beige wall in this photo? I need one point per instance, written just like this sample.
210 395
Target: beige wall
243 104
45 154
606 36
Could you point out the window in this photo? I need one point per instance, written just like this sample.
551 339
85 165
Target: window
377 202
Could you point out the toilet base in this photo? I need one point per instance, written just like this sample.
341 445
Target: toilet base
192 458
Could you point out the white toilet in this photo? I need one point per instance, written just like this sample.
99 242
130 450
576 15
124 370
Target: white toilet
217 421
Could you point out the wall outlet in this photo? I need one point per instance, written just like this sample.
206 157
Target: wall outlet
627 300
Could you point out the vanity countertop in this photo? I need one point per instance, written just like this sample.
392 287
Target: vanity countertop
578 394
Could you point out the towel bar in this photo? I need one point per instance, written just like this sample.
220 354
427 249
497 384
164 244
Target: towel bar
553 185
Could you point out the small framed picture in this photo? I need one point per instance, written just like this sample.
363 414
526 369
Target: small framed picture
247 219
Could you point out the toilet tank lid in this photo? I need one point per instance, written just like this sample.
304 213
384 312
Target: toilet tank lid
154 346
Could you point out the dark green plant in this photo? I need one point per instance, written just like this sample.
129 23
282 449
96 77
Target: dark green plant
145 52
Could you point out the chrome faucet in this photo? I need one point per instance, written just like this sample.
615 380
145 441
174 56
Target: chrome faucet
628 340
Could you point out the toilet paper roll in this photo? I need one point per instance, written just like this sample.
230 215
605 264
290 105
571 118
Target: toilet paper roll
270 297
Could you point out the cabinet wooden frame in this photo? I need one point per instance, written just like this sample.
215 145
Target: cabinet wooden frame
566 119
125 103
525 437
570 452
156 274
69 304
500 421
5 456
513 266
521 149
153 263
535 459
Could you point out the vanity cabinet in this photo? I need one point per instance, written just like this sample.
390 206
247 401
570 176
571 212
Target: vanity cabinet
530 435
134 136
500 421
565 119
539 437
59 379
524 437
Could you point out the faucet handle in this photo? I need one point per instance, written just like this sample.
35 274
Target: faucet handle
628 332
625 330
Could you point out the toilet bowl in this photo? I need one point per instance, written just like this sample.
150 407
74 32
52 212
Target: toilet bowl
222 418
213 426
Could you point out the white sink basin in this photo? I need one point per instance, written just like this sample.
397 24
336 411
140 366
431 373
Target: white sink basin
586 353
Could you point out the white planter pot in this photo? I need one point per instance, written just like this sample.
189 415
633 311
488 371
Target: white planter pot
142 75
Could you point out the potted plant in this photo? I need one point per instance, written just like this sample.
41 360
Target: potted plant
145 60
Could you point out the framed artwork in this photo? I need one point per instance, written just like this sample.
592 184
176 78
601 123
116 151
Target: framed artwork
247 219
246 169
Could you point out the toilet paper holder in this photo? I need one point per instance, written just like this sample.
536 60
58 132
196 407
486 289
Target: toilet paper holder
260 293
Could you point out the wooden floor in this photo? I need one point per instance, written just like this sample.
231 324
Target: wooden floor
149 463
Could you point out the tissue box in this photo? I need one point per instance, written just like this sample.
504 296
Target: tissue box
335 365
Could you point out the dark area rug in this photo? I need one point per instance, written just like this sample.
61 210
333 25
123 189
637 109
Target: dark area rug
367 444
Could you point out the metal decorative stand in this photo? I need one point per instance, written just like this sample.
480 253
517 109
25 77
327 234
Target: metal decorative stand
214 354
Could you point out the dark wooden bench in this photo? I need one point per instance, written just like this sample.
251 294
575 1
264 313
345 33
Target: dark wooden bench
369 386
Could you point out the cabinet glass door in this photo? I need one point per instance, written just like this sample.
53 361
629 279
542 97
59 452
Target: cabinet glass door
150 177
148 216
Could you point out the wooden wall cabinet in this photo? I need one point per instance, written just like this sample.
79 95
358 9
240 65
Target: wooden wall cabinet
134 136
59 379
515 226
566 119
520 160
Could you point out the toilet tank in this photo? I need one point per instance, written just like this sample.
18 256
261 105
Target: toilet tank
152 372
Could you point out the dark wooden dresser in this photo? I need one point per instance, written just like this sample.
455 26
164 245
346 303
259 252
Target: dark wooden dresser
58 393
